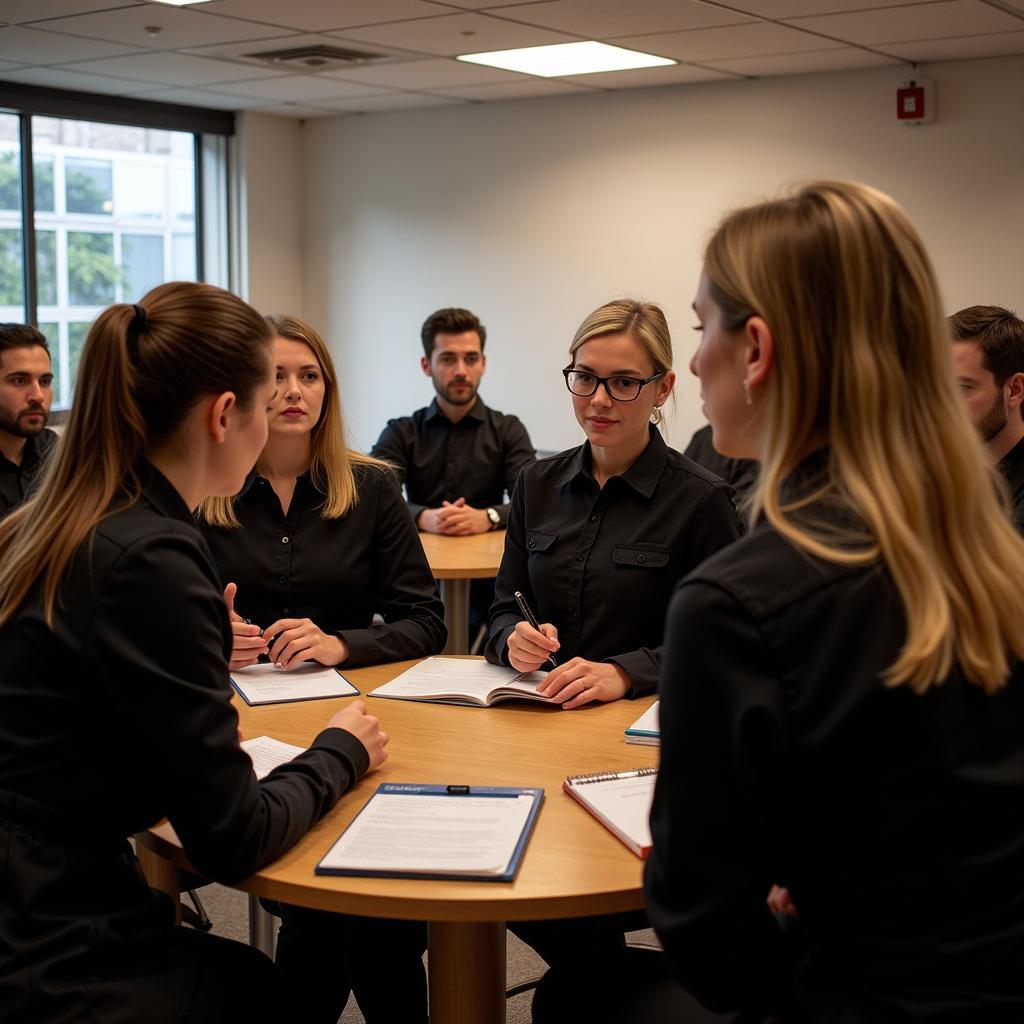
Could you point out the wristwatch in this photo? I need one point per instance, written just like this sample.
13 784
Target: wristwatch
492 514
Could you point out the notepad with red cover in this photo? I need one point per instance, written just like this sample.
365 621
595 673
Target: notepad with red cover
621 801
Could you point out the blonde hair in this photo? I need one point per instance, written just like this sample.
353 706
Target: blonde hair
643 321
143 369
862 358
331 459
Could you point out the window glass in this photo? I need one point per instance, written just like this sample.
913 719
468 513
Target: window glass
77 330
42 183
142 262
51 331
46 268
142 190
12 283
184 250
88 185
92 273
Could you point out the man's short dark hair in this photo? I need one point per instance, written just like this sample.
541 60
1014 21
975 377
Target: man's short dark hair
21 336
999 334
450 321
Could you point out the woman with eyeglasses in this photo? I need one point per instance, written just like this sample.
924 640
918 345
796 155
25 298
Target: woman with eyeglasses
599 535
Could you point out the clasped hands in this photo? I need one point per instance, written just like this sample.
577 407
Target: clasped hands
573 684
455 518
287 642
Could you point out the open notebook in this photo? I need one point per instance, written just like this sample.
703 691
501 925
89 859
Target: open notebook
621 801
645 729
462 681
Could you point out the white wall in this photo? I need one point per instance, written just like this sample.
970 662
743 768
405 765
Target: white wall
270 209
533 213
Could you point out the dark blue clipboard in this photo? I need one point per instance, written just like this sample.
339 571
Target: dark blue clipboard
413 790
297 700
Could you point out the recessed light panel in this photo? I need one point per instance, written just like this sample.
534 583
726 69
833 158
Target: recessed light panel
586 58
180 3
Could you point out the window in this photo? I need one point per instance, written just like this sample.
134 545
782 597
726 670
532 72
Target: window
113 213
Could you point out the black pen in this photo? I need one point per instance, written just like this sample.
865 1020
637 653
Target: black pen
532 620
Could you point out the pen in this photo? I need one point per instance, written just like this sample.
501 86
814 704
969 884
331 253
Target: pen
532 620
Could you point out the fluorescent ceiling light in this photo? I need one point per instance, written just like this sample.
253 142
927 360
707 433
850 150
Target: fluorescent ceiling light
180 3
585 58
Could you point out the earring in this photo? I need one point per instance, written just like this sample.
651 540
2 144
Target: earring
746 391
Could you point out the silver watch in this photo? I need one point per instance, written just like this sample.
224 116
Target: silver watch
492 514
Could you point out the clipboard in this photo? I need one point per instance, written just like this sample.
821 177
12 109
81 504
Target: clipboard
483 831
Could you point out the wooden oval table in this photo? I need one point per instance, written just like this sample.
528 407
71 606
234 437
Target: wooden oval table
572 866
455 561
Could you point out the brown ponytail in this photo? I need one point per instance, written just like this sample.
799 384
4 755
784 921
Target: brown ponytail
140 374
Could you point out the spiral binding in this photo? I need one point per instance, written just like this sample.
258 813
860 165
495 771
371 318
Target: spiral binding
579 780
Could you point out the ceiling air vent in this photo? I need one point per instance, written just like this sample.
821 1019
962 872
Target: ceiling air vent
316 57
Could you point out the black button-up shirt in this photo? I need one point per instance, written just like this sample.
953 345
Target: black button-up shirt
740 474
895 820
477 458
1012 467
116 717
601 563
18 481
337 572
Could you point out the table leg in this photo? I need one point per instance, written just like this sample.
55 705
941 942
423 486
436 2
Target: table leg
160 874
455 596
261 927
466 964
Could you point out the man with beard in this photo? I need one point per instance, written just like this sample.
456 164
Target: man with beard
26 390
988 351
457 457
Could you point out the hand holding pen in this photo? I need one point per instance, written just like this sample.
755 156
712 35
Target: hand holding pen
531 645
247 642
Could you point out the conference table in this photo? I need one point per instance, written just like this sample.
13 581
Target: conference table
455 561
572 866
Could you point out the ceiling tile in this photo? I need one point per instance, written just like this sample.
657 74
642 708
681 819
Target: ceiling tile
238 51
38 47
710 44
316 15
173 69
527 89
295 111
396 101
447 35
806 8
842 59
427 74
599 19
178 27
18 11
61 78
299 89
1001 44
919 21
205 98
642 78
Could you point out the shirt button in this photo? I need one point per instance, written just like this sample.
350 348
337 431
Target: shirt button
572 614
641 559
579 558
282 579
285 611
284 540
593 519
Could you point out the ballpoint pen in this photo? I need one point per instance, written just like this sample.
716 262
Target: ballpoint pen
532 620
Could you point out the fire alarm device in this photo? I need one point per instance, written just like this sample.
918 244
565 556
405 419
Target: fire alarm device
915 101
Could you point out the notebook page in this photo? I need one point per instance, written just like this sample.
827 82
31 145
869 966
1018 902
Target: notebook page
447 834
626 803
267 684
267 753
648 721
439 676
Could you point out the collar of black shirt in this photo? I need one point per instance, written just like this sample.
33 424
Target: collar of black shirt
478 412
642 476
30 454
1013 458
163 495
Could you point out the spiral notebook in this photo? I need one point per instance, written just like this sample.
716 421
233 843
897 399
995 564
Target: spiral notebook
621 801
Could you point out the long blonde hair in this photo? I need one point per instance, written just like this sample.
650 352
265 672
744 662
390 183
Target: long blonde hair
331 459
862 357
143 368
641 320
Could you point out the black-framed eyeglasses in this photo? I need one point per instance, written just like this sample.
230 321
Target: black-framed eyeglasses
583 384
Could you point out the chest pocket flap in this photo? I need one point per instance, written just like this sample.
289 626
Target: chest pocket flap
537 541
644 557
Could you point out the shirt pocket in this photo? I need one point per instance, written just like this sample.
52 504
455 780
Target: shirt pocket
640 582
537 543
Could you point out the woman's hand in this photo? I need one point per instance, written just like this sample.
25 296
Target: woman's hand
247 643
579 682
297 640
529 648
354 719
780 902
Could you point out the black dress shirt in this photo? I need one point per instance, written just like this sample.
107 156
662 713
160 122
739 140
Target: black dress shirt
1012 467
601 563
896 821
337 572
477 458
740 474
117 717
17 482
